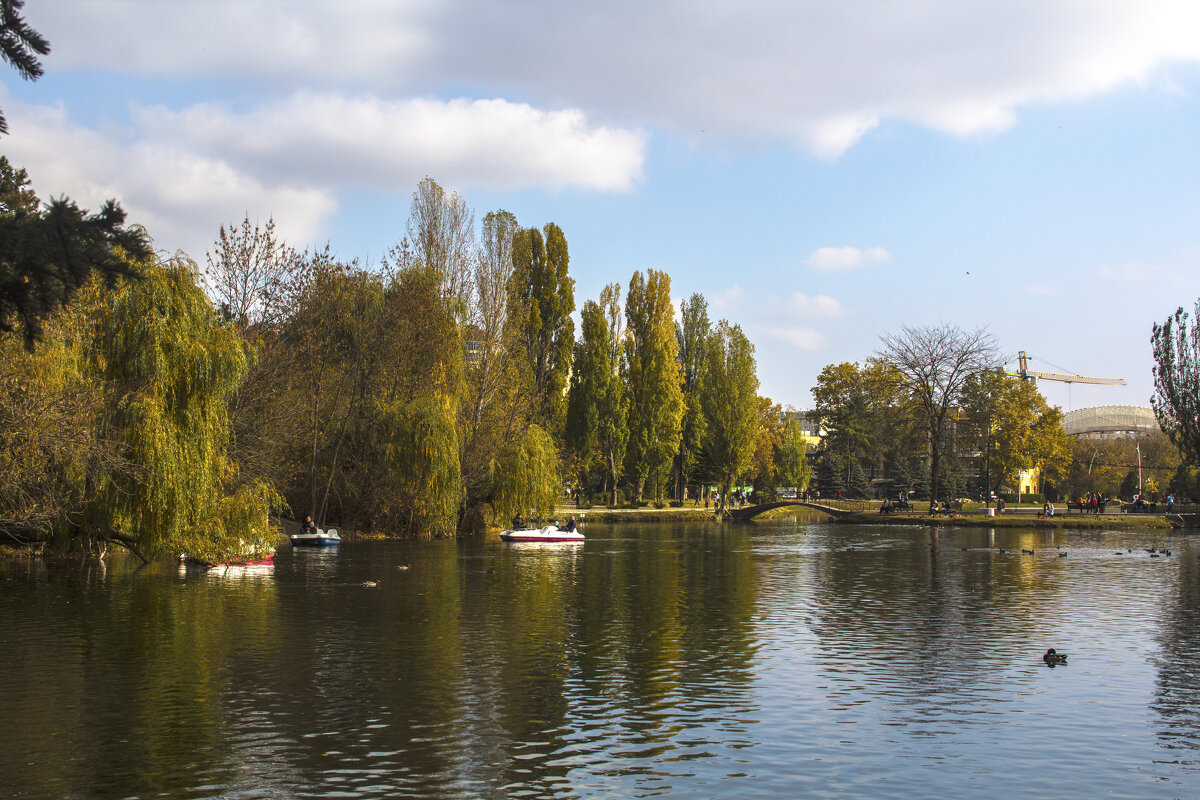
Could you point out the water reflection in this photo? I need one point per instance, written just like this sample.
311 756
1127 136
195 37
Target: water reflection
722 661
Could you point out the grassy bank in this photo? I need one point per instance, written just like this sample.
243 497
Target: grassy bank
649 514
1078 522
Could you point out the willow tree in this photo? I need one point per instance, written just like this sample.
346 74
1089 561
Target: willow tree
422 442
654 379
729 395
526 476
541 300
1176 400
172 366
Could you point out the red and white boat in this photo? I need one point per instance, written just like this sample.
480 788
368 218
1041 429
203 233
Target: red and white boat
550 533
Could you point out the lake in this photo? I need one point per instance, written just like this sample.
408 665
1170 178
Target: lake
653 660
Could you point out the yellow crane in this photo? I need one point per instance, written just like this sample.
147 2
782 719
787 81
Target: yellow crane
1026 374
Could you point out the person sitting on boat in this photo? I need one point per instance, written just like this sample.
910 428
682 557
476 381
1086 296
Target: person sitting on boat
308 526
518 522
570 526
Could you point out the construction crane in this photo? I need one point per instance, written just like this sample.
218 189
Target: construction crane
1026 374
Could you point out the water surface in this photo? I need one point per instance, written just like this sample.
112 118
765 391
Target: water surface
665 660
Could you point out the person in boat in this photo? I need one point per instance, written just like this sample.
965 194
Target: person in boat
570 526
518 522
308 526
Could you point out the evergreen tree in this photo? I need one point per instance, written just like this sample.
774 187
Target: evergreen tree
47 255
20 45
859 487
830 474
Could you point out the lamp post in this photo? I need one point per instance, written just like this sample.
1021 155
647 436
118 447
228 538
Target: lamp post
1139 452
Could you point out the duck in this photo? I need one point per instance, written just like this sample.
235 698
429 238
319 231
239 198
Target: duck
402 567
1062 555
1053 657
370 584
1025 552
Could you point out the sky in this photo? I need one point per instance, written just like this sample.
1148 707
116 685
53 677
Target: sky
823 173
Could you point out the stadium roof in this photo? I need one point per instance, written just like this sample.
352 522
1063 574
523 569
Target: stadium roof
1110 419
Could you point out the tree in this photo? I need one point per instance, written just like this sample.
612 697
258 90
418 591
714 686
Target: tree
791 457
1176 400
729 396
541 300
691 332
527 476
763 466
441 231
248 273
935 361
47 255
495 408
171 367
20 45
612 409
654 379
591 373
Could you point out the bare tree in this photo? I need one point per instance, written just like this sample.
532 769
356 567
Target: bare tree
441 233
935 362
249 273
1176 399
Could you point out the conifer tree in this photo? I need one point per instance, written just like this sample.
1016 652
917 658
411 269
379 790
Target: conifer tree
20 45
47 255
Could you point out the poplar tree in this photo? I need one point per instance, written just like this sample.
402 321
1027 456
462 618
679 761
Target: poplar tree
590 375
654 378
541 300
729 395
691 332
612 408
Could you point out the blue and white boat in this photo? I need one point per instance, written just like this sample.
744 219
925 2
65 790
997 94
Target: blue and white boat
319 539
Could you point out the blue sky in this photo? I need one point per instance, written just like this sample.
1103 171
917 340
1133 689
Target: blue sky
822 172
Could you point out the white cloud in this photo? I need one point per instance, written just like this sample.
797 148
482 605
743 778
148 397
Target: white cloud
183 173
332 140
732 299
819 306
797 337
817 74
840 259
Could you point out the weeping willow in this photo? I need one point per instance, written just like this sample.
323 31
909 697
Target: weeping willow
173 367
421 442
525 476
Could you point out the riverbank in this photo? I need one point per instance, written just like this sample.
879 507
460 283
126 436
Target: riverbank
649 514
1123 522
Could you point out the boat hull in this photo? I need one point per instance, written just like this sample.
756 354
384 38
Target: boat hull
548 534
312 540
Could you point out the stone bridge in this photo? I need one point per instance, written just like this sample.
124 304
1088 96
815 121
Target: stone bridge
838 509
